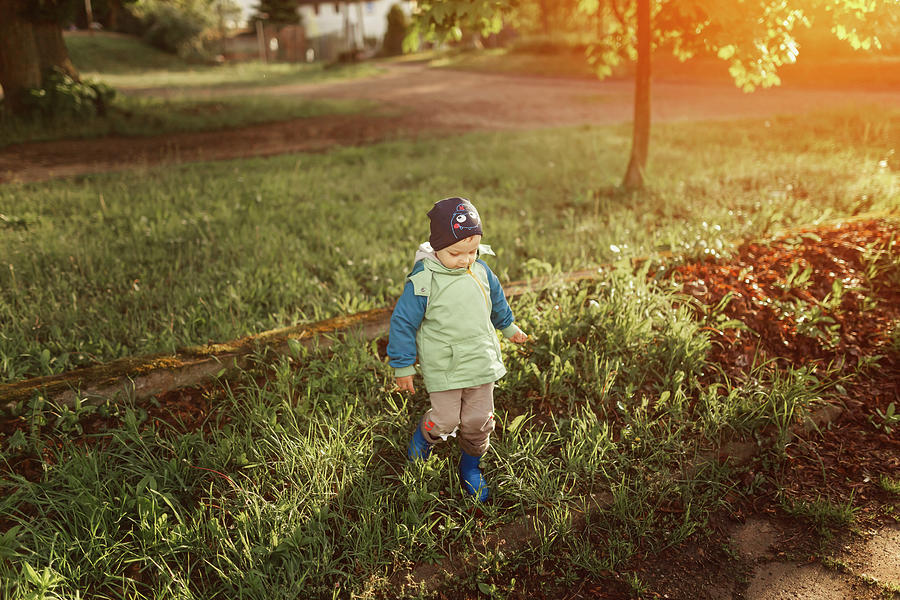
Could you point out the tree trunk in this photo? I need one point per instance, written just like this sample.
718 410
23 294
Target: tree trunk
52 49
89 15
545 16
640 141
112 17
19 59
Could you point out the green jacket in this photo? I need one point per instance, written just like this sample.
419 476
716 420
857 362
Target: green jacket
455 335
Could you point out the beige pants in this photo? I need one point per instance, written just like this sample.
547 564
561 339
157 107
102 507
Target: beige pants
469 410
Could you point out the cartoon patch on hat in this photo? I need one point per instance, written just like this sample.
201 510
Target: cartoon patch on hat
464 221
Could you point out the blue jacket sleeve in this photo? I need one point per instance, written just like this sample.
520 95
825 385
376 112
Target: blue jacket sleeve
405 320
501 313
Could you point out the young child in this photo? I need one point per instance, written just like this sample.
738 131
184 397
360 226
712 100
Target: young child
451 305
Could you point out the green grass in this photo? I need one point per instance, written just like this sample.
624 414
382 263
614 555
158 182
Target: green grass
824 514
293 480
117 53
161 94
106 266
232 77
127 63
148 116
889 484
296 481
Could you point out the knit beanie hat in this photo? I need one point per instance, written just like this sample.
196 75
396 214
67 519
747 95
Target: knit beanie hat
452 219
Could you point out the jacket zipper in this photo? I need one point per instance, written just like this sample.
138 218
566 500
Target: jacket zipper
480 287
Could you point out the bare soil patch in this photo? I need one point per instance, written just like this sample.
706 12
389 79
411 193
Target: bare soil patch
423 101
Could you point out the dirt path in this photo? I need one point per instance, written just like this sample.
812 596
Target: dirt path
422 101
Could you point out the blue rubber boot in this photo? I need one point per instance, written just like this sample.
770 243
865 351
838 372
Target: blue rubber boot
419 448
472 479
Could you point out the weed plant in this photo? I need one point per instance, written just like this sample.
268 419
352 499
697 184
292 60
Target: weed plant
105 266
889 484
823 513
296 483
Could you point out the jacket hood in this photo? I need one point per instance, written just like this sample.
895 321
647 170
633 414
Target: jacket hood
425 251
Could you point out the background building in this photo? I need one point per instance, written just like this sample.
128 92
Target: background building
330 30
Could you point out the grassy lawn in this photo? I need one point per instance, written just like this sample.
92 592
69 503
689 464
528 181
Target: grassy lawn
112 53
127 65
122 264
125 62
149 115
230 77
290 480
125 264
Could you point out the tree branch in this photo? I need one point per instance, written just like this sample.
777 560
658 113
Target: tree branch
613 4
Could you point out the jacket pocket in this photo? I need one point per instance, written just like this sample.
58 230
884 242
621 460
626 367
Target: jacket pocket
435 358
478 355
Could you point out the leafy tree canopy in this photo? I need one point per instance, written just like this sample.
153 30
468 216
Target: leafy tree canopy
755 37
396 31
277 11
178 26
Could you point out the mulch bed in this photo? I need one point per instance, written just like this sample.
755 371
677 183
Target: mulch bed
850 455
756 280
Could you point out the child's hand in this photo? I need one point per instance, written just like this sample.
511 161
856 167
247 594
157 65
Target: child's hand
519 338
405 384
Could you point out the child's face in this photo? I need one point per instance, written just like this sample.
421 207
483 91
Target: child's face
460 255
